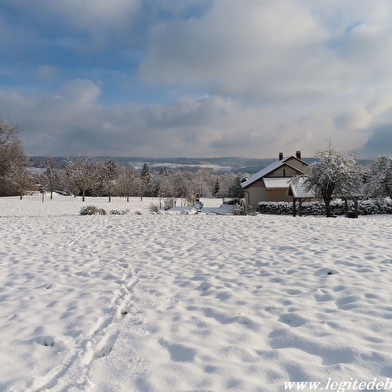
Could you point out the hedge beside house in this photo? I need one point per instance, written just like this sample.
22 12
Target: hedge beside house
365 207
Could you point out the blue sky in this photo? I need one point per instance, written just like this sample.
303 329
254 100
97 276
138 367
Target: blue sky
197 78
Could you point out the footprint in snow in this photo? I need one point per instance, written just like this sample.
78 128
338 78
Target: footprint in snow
179 352
47 341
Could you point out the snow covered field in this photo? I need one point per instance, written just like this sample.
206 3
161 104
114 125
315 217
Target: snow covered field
176 302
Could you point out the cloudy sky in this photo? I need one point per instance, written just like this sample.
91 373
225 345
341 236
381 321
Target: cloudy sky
197 78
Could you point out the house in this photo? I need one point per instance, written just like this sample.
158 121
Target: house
272 182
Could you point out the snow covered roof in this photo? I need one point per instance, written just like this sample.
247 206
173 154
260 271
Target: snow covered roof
276 183
299 191
263 172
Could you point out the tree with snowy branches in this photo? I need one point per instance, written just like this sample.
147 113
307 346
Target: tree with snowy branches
81 175
108 173
145 180
126 181
379 178
13 162
50 179
334 174
216 189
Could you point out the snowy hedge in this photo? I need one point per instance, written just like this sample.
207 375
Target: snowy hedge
365 207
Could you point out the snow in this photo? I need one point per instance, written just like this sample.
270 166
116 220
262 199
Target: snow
197 302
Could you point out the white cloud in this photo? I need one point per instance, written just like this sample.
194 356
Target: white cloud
81 91
273 50
73 122
249 78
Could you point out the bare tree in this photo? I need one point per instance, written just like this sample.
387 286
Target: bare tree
204 182
50 179
8 133
13 162
126 182
19 179
108 172
379 182
82 175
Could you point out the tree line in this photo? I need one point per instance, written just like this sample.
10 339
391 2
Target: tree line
83 177
334 174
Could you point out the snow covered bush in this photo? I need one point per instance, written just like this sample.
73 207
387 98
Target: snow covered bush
365 207
92 210
190 199
154 208
117 212
169 203
243 208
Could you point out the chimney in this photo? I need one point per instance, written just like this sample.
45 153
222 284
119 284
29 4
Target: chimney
298 154
280 156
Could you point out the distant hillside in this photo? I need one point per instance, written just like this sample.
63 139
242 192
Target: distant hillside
223 164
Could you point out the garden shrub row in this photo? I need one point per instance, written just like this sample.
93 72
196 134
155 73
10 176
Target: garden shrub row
93 210
365 207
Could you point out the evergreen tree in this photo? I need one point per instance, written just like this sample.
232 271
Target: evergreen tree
235 189
145 181
216 189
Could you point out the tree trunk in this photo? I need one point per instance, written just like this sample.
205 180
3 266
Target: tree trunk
328 208
83 192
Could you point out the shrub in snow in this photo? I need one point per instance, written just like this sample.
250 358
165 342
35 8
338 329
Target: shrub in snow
198 206
190 200
169 202
243 208
116 212
92 210
365 207
373 207
232 202
154 208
